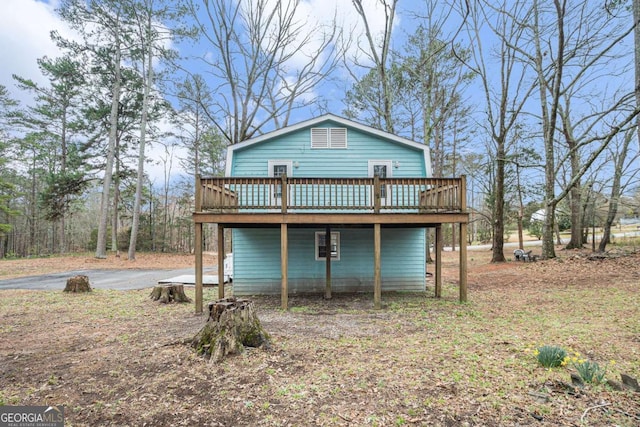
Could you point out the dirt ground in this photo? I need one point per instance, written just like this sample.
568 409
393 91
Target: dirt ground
118 358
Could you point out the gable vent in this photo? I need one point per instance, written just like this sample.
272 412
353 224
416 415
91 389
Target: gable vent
338 138
328 138
319 138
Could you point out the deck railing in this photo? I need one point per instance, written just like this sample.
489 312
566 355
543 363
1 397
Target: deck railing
293 194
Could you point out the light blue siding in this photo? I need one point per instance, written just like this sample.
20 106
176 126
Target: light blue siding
257 251
257 261
351 162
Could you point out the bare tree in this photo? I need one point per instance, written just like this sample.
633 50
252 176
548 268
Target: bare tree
624 173
267 63
152 34
505 95
567 58
378 54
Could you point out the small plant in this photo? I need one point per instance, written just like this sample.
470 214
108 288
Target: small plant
550 356
590 372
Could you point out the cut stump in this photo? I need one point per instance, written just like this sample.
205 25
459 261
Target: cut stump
232 325
169 293
78 283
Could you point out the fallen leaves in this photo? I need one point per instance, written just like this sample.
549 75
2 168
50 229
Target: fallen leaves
115 358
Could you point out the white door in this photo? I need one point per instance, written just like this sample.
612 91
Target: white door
278 168
381 169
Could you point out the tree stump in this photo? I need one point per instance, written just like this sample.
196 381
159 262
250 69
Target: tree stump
169 293
232 325
78 283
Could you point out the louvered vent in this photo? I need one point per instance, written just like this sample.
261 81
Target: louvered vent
328 138
319 138
338 138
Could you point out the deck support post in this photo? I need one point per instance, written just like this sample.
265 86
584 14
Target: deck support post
377 282
438 272
463 262
220 261
327 251
284 266
463 241
198 252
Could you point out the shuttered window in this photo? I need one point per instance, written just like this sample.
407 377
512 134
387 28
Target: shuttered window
328 138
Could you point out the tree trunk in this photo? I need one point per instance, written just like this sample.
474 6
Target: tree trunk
636 43
232 325
616 191
169 293
101 246
148 83
498 210
575 204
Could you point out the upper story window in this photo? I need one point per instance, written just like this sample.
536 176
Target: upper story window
328 137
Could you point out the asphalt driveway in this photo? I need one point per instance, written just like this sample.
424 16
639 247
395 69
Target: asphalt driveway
100 279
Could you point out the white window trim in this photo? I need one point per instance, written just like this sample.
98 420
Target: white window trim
387 163
287 163
317 245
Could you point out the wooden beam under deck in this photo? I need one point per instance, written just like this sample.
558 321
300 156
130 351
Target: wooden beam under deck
398 219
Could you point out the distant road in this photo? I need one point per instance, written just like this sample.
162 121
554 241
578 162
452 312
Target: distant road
100 279
539 242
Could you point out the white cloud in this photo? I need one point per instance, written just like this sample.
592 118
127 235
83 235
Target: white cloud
346 16
25 26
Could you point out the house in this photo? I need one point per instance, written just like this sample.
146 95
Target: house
285 191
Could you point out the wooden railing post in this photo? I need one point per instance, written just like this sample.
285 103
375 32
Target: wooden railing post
463 193
283 193
198 195
376 194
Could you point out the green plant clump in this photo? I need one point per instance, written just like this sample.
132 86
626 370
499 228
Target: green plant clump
590 372
551 356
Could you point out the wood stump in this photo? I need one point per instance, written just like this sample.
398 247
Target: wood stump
78 283
232 325
169 293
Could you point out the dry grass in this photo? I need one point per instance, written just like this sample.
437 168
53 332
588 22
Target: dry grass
117 358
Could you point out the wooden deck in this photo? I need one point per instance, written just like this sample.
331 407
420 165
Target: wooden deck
233 202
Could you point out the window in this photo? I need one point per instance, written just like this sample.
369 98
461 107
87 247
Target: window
328 137
321 253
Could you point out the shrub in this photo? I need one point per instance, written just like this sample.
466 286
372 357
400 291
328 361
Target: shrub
590 372
535 229
551 356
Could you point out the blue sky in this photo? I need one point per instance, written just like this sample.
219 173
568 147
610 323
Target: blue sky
25 27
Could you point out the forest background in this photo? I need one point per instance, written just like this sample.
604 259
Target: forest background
110 107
